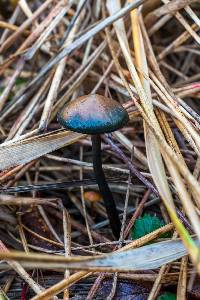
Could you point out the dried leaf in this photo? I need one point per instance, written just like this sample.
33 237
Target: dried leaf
147 257
21 152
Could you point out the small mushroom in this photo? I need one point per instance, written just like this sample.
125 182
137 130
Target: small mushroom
92 196
95 115
92 199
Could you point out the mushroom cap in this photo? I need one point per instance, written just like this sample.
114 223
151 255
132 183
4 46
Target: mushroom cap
93 114
92 196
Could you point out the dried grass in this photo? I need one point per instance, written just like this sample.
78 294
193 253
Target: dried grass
144 54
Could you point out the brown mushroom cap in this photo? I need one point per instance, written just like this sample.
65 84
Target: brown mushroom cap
93 114
92 196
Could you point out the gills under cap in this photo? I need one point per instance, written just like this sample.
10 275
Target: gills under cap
93 114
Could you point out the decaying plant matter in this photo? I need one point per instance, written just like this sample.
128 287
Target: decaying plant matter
55 238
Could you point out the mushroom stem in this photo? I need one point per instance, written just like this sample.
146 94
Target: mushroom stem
104 188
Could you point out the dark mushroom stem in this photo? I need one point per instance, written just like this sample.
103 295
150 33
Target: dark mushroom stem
104 188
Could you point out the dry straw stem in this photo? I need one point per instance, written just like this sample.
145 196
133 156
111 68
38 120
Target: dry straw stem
154 65
26 9
59 244
44 30
167 278
151 142
182 281
8 26
173 105
61 285
169 8
27 114
21 271
53 91
191 130
178 111
54 14
46 259
185 126
157 283
180 18
6 92
12 38
168 132
177 180
12 200
48 223
173 7
5 176
149 115
85 37
177 42
65 283
118 135
153 152
90 69
128 145
12 20
67 245
193 16
155 289
22 234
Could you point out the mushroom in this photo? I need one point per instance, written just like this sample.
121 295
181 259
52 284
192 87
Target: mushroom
92 198
95 115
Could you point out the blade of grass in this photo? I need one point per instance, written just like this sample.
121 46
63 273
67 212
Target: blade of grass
119 27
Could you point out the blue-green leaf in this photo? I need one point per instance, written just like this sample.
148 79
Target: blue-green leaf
167 296
145 225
